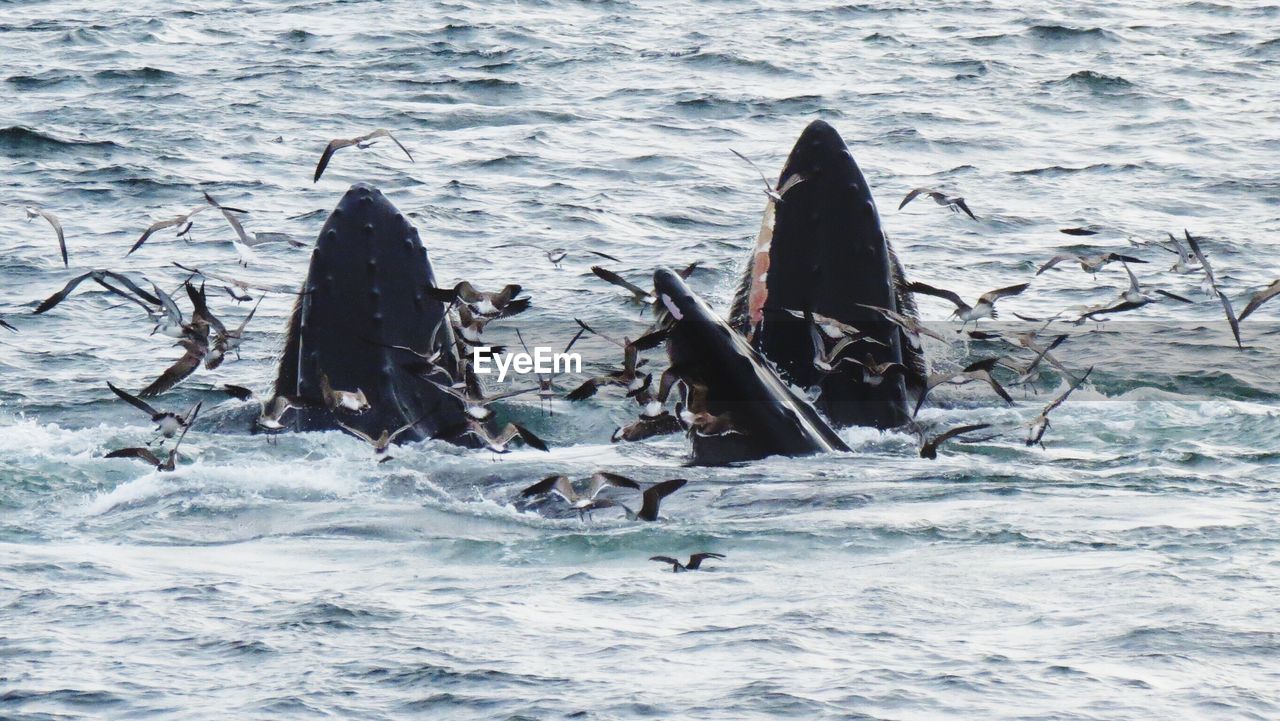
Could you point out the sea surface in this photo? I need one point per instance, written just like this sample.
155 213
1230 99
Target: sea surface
1130 569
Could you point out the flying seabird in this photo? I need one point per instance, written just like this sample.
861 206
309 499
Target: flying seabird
695 561
497 443
146 454
580 502
1183 265
474 400
1028 373
929 447
911 328
491 305
1041 423
1088 263
639 294
34 212
186 220
167 423
775 195
382 442
1134 293
955 203
361 142
557 255
100 277
985 307
976 371
546 383
350 401
269 419
873 373
1213 289
1259 298
628 376
227 341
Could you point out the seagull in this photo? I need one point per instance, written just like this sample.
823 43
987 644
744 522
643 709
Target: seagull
37 212
929 447
1121 306
361 142
1089 263
185 219
775 195
474 401
169 321
911 328
955 203
1027 339
546 383
1213 288
227 341
584 502
240 285
648 425
167 424
976 371
984 308
1259 298
697 417
652 499
242 243
383 442
351 401
639 294
1134 293
195 351
146 454
873 373
100 277
1183 265
627 376
557 255
695 561
500 304
500 442
1028 373
1041 423
269 419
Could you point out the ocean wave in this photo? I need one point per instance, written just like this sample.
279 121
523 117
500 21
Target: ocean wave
24 140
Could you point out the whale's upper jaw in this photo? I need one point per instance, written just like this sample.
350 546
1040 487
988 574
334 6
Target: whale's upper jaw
819 150
365 290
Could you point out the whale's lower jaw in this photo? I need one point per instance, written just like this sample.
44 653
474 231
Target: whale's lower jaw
767 418
365 290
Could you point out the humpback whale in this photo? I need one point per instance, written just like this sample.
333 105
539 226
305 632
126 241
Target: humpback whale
821 250
366 290
715 362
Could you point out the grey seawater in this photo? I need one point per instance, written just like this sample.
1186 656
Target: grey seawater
1127 571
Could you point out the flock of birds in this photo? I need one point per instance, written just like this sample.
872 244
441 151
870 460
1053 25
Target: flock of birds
207 341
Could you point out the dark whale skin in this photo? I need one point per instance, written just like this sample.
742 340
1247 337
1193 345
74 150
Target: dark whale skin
828 255
367 282
703 349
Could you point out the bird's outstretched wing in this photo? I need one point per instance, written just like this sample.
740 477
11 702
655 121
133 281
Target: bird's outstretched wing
926 289
133 400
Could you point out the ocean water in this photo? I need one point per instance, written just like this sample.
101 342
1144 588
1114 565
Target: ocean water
1128 570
